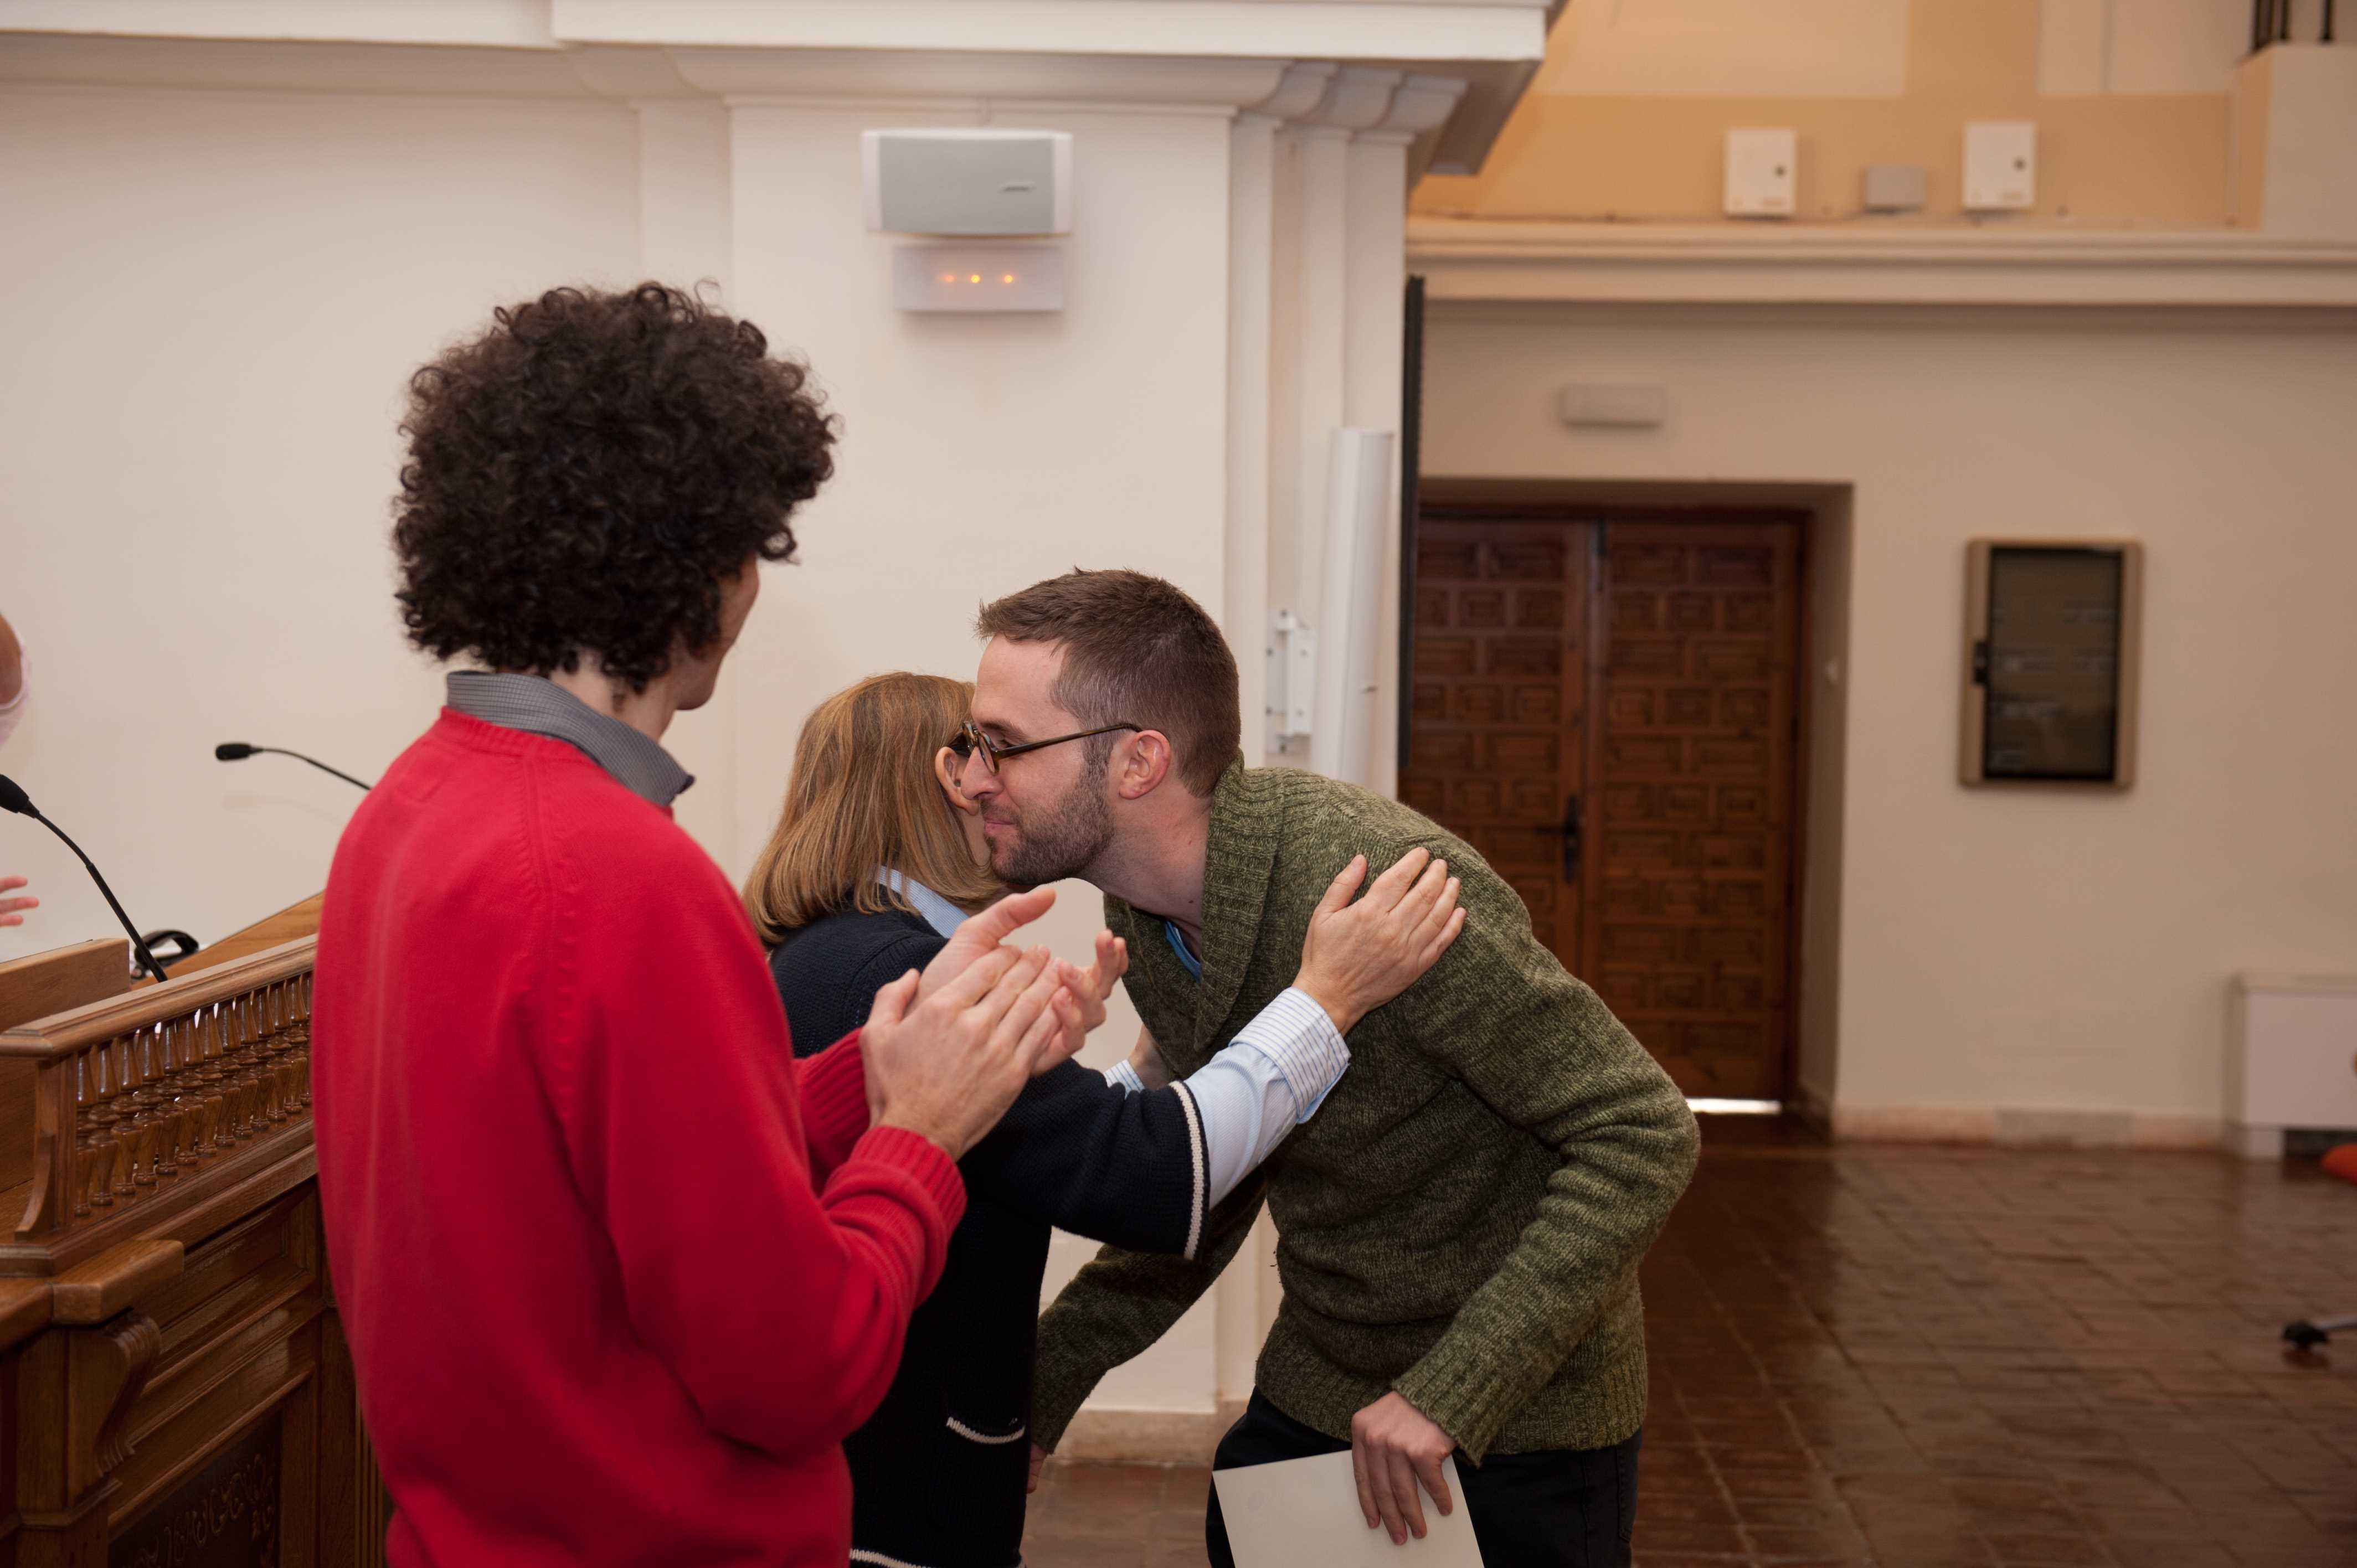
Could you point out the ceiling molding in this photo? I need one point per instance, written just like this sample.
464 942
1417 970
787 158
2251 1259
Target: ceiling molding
1841 266
1384 66
1137 81
1492 91
1342 30
469 24
1356 99
214 65
1304 87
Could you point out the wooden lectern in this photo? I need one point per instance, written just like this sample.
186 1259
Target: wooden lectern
175 1389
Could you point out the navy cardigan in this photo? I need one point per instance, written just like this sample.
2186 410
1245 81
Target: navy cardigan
938 1472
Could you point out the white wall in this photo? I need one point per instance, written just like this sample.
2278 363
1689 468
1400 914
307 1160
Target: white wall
213 301
219 296
2029 950
979 454
226 285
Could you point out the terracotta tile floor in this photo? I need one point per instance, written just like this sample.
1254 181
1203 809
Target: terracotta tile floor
1924 1357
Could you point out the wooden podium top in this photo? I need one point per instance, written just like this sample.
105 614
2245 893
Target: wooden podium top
294 921
69 977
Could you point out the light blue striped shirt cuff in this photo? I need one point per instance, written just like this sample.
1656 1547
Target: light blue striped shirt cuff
1301 1043
1252 1094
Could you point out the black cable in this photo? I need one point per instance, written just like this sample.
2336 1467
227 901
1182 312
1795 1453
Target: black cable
14 799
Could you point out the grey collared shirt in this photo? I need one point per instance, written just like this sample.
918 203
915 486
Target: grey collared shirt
538 706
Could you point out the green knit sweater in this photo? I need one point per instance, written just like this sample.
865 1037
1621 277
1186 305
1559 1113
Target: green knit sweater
1461 1221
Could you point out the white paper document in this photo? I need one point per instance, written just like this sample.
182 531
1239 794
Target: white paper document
1304 1513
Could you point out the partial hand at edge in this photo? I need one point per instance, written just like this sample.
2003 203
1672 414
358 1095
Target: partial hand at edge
1147 1060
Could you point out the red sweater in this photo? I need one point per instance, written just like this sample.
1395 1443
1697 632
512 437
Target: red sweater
618 1274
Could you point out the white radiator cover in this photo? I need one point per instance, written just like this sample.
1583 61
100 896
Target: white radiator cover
2291 1059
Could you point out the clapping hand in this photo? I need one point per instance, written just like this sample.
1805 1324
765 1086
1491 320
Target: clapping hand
1081 1007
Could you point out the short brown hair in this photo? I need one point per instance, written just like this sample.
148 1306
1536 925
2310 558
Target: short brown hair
1136 651
863 797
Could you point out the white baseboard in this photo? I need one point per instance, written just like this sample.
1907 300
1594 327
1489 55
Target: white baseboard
1148 1437
2025 1127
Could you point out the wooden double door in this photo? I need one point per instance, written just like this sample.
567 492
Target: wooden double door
1607 707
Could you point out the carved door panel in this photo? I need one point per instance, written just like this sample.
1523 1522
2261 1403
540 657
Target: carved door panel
1498 748
1688 938
1606 709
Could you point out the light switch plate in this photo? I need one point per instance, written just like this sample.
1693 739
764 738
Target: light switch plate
2000 165
1763 172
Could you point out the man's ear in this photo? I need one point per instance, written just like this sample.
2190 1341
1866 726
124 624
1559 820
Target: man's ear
1143 763
946 769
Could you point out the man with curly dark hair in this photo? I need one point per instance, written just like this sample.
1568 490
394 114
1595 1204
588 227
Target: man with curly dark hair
618 1273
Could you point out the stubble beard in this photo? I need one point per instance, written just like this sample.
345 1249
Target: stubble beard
1062 842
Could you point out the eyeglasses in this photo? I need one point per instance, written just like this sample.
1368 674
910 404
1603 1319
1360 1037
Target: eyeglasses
971 740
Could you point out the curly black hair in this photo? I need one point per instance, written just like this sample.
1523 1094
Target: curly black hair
584 474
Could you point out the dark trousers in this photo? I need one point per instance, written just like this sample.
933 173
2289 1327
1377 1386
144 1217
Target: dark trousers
1561 1509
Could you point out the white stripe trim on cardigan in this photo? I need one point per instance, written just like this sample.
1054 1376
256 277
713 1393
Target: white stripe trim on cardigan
971 1436
1195 1147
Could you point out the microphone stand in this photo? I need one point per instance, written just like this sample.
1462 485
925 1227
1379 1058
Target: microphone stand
238 751
14 799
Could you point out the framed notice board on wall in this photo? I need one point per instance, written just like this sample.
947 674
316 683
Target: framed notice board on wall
2050 635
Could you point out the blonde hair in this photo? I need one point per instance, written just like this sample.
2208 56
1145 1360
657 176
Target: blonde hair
863 797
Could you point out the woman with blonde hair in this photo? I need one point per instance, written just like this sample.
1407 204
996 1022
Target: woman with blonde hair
875 861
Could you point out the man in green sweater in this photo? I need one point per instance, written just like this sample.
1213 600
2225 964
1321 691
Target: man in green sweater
1458 1229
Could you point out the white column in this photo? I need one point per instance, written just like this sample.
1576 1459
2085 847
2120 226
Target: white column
1252 175
1262 303
1375 288
1314 196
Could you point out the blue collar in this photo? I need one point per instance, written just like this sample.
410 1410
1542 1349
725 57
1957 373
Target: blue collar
937 911
1179 945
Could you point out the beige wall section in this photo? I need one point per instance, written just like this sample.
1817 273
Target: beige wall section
982 453
2254 101
214 301
2296 114
2027 957
1632 144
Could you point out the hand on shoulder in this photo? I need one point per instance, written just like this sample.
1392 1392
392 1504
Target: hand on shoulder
1359 955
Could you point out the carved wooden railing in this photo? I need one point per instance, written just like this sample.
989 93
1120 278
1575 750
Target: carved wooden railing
136 1097
175 1387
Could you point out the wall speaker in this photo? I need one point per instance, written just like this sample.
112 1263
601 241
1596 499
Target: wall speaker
968 182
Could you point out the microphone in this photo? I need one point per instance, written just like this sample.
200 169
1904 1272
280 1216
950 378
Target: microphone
14 799
238 751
